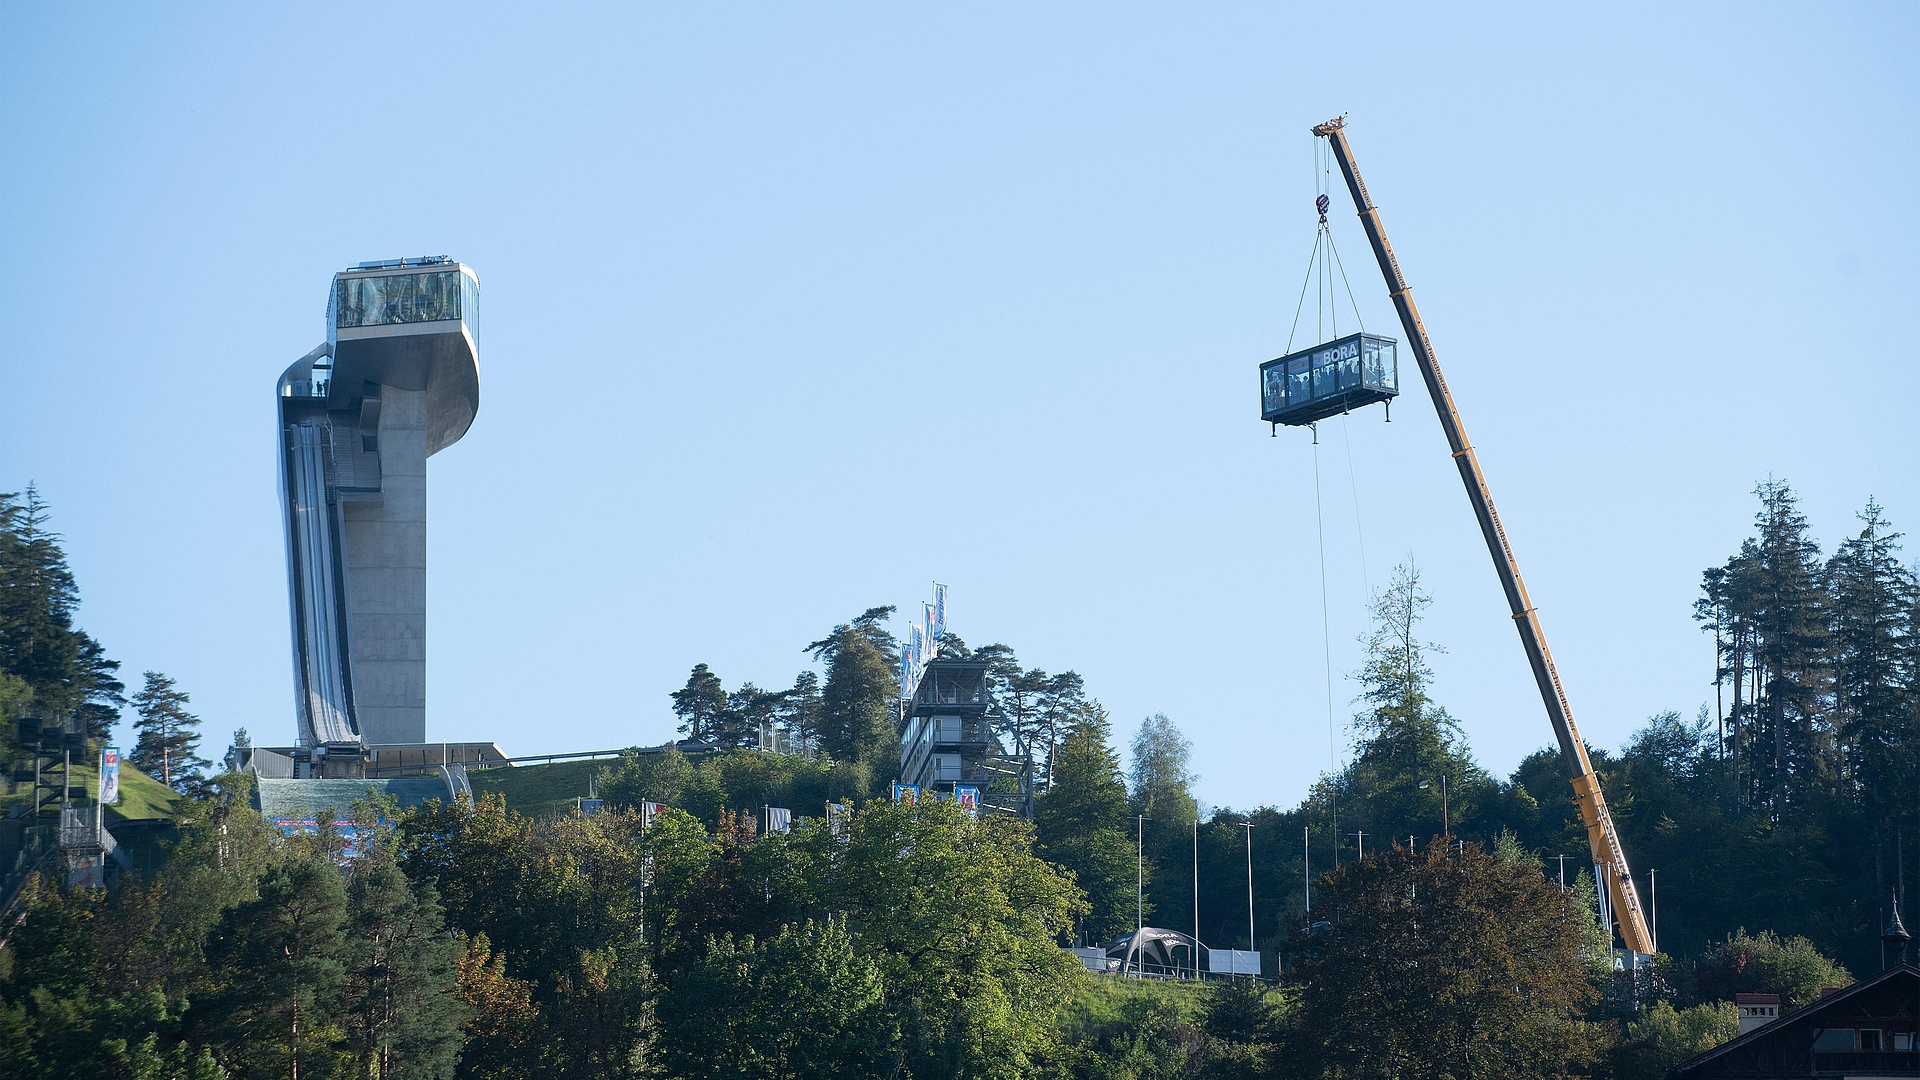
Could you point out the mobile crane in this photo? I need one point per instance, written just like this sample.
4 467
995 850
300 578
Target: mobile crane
1609 861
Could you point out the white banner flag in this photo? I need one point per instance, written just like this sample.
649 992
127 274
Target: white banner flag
779 819
109 775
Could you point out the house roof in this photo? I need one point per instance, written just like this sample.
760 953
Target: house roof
1835 1000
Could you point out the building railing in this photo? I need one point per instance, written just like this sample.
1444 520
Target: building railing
1870 1062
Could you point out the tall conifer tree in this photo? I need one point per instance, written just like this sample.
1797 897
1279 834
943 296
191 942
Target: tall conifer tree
1871 591
282 954
169 734
1083 824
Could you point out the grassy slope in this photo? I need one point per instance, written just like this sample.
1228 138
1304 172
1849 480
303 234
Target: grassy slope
1106 1000
142 798
539 790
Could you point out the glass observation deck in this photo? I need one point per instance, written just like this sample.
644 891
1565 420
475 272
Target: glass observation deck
1336 377
393 299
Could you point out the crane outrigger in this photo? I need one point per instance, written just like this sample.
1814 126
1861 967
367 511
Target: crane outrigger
1609 861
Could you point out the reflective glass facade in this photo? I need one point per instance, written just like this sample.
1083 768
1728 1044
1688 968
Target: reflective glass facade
1331 378
470 306
400 298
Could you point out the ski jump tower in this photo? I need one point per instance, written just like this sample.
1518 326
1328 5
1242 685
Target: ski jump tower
396 381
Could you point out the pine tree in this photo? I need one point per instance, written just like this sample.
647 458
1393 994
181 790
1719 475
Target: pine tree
37 598
169 734
282 953
1061 699
799 710
750 711
1405 737
104 694
1083 824
701 705
1870 591
1795 761
399 1002
858 704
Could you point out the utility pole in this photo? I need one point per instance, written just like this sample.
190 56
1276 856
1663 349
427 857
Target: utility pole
1360 842
1196 896
1139 878
1306 872
1563 873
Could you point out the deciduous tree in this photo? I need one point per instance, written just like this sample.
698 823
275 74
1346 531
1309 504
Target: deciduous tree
1443 964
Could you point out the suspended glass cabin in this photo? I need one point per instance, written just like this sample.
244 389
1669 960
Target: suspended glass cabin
1336 377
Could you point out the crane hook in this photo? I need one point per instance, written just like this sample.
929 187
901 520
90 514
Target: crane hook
1321 205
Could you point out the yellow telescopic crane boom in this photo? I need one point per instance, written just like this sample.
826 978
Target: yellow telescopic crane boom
1610 863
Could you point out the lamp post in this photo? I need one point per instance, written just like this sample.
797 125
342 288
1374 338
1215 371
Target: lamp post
1306 872
1446 822
1250 944
1139 880
1653 887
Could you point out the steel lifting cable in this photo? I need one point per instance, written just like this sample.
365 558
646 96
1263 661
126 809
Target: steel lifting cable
1326 305
1326 626
1353 485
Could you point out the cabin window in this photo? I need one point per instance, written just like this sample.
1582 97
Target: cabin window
1299 386
1273 388
1869 1038
1350 371
1834 1039
1903 1040
1325 376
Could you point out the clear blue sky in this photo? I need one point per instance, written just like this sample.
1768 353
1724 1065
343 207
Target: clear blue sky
792 309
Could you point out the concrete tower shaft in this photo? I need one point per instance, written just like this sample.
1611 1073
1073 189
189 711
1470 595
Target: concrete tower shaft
396 381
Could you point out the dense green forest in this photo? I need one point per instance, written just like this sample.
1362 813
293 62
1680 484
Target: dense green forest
474 940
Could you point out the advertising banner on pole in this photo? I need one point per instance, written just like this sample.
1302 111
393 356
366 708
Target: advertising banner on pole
969 798
109 775
837 815
648 810
939 609
779 820
906 793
